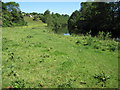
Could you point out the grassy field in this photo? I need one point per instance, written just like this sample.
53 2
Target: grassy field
37 58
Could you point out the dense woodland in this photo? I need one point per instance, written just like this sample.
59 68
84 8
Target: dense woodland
95 17
92 18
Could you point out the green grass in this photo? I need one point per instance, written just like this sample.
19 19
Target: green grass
37 58
0 57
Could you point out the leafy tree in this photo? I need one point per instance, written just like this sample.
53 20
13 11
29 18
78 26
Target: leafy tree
34 13
11 15
72 22
12 5
47 12
115 18
55 21
96 17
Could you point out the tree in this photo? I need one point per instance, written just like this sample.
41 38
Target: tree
55 21
12 5
96 17
11 14
47 12
46 16
115 18
72 22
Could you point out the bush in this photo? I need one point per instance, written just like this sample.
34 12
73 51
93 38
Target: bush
104 36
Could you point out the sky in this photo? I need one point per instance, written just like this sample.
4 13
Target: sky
45 0
56 7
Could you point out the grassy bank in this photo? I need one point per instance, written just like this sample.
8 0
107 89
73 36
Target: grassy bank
35 57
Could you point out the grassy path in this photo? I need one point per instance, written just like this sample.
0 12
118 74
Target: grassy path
34 57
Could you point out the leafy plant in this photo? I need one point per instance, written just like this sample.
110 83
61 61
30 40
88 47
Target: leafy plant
102 78
18 84
104 36
66 85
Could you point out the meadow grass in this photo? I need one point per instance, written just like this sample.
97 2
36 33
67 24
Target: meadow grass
34 57
0 57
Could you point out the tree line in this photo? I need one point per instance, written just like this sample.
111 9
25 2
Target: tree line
95 17
54 20
92 18
12 15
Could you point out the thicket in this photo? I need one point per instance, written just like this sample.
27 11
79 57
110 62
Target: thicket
55 21
96 17
12 15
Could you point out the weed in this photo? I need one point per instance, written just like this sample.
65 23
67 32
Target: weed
29 36
37 44
11 56
40 85
42 60
102 78
18 84
12 72
104 36
66 85
45 56
77 42
82 82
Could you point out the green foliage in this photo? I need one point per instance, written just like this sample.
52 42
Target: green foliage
66 85
101 42
104 36
35 18
96 17
102 78
55 21
12 15
72 22
18 83
47 60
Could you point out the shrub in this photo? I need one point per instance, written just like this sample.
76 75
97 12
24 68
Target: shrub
104 36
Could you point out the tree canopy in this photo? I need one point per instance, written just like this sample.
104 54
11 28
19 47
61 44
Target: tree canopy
55 21
95 17
11 15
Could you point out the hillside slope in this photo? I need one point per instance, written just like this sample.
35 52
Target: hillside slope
35 57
